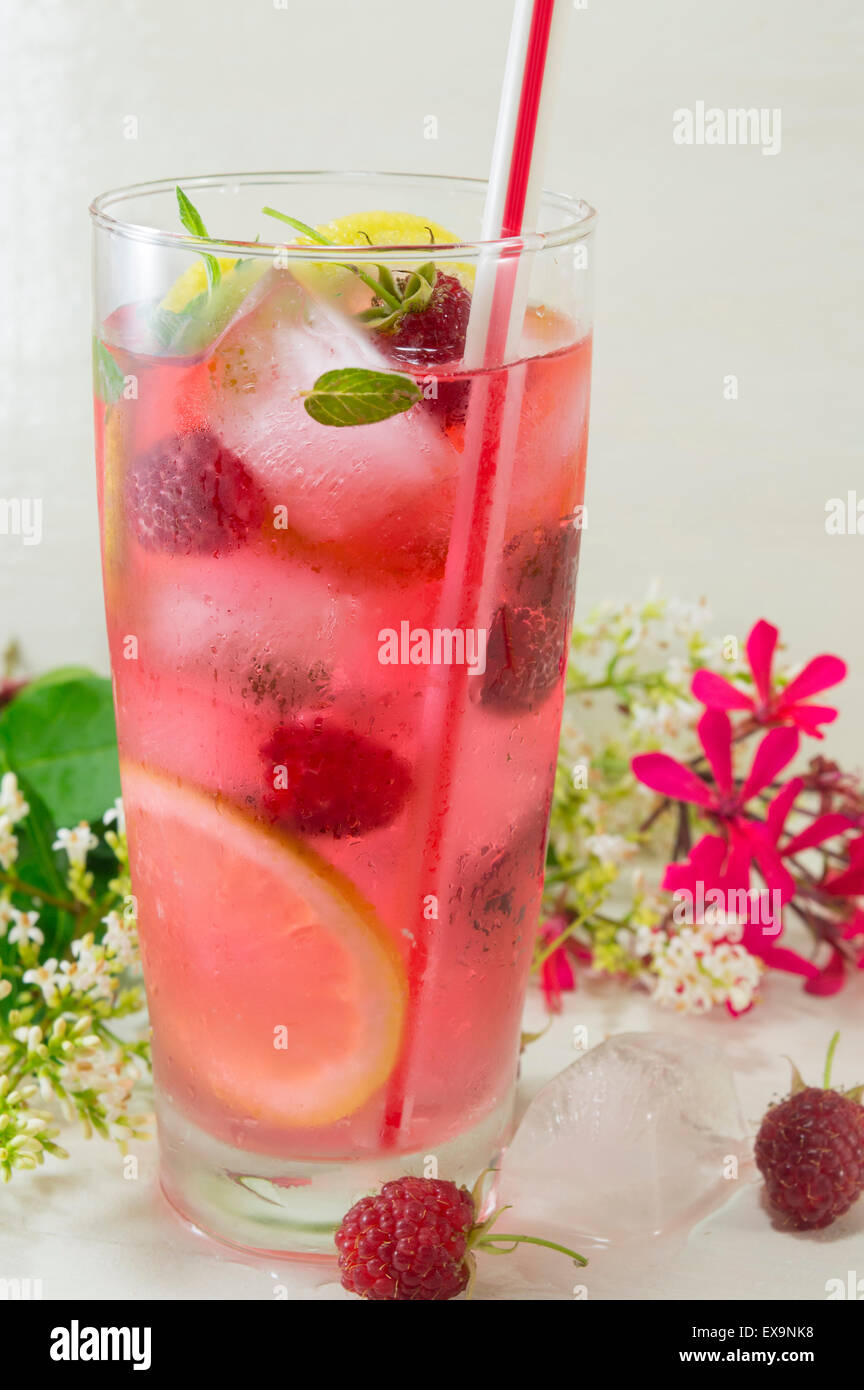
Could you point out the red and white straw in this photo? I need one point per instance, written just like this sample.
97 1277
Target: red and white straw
515 178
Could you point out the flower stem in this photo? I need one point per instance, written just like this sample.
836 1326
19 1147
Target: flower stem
513 1241
550 950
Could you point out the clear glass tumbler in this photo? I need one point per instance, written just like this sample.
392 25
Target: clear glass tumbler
339 551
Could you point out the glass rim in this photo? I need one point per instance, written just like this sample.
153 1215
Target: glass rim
581 214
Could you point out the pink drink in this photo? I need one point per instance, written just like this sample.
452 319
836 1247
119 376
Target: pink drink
337 795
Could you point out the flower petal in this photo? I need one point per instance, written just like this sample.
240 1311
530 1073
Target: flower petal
760 654
780 807
823 828
819 674
775 752
715 735
829 980
715 692
781 958
704 865
809 717
777 877
671 778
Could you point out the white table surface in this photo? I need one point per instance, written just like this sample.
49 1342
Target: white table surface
85 1231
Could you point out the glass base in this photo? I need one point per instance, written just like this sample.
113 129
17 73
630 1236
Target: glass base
268 1205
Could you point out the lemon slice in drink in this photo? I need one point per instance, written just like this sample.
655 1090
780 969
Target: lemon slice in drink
275 991
191 283
378 228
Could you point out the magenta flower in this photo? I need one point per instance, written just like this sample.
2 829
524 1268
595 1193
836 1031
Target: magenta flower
725 803
787 706
556 972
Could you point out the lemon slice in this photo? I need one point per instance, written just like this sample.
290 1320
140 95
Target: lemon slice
274 989
114 446
380 229
191 283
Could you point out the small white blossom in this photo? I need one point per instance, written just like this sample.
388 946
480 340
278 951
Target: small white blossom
610 849
25 928
12 803
665 720
120 938
8 843
6 915
116 814
47 978
76 842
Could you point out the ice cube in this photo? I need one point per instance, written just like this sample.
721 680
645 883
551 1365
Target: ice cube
642 1137
387 480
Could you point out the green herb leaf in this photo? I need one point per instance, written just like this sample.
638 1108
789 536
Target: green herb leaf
59 735
108 379
357 396
299 226
194 223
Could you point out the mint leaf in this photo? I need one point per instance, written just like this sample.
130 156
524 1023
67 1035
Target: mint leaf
59 735
107 377
194 223
357 396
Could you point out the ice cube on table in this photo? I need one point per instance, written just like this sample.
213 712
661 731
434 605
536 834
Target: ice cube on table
335 483
642 1137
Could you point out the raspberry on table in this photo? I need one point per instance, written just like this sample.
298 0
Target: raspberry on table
810 1151
415 1241
407 1243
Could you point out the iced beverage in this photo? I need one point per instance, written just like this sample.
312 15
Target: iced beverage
339 653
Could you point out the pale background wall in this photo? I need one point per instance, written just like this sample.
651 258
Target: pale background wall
711 260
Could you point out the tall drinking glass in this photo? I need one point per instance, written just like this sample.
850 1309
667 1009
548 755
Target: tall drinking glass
338 609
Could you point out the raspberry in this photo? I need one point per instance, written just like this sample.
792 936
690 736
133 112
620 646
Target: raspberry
335 781
188 494
527 649
433 336
415 1241
810 1151
408 1242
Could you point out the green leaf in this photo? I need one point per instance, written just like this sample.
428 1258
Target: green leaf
357 396
194 223
107 376
299 226
59 735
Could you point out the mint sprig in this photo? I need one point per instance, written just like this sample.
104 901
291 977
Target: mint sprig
194 223
359 396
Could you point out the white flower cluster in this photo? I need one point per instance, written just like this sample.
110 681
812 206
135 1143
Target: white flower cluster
111 1076
698 968
94 969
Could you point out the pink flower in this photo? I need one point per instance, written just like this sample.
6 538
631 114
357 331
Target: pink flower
556 972
788 706
723 802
